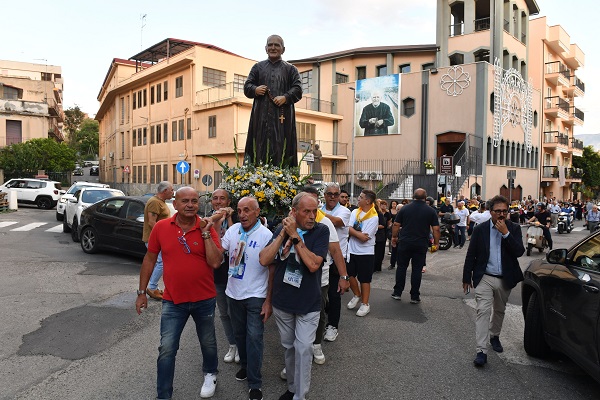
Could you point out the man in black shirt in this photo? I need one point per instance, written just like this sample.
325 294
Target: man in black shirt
446 207
543 217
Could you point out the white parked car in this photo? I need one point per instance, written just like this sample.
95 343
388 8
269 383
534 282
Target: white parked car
43 193
82 199
69 194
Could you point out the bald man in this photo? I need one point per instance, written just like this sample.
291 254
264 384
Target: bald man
377 116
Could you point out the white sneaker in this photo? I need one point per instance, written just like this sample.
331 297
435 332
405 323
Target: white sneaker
363 310
318 356
283 374
352 303
230 356
209 386
331 333
237 356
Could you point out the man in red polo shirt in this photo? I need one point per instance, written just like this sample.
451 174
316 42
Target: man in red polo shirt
191 251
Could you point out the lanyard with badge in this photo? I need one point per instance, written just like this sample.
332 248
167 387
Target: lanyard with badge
293 271
237 261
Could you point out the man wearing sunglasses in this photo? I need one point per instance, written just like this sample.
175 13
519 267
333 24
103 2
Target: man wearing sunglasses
191 251
492 268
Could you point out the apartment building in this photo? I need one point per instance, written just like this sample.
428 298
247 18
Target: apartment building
182 100
557 59
30 102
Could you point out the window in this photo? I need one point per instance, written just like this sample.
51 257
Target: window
151 94
166 172
123 144
152 175
152 136
122 107
381 70
134 177
181 130
457 59
166 90
11 93
306 132
134 136
408 107
14 132
174 131
306 78
212 126
158 92
112 207
145 136
361 73
127 112
145 176
139 99
189 128
341 78
238 82
158 170
427 66
46 76
165 132
404 68
139 136
134 100
158 134
145 93
179 86
212 77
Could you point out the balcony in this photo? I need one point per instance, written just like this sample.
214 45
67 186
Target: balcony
574 174
555 140
482 24
577 144
551 171
575 117
575 89
558 74
54 109
575 58
557 107
54 131
558 39
457 29
235 90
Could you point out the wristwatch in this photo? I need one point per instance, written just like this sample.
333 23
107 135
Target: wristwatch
345 277
295 240
206 235
140 292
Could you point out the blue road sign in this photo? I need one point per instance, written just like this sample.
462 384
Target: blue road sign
183 167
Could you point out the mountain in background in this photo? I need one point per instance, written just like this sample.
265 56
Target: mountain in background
590 139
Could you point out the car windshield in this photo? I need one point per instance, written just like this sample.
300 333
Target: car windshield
93 196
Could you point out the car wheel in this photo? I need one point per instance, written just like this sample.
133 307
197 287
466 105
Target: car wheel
74 233
529 247
66 228
44 202
533 337
89 240
60 217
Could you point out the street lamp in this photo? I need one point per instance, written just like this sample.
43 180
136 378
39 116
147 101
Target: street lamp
352 160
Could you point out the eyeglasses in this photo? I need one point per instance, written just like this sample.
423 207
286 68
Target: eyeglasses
500 211
330 194
186 248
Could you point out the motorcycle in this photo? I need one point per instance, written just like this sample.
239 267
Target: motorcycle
565 223
446 231
535 238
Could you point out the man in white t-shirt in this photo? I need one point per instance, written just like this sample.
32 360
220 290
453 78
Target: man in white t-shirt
481 215
460 229
364 223
248 292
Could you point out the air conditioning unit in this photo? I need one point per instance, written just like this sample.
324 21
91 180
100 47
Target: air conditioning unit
376 175
111 154
362 175
103 158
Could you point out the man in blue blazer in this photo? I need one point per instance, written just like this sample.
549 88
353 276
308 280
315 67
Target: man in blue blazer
492 268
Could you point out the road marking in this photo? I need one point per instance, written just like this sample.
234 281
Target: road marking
28 227
57 228
7 223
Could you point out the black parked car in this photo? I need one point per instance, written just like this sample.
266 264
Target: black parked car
94 170
561 304
114 224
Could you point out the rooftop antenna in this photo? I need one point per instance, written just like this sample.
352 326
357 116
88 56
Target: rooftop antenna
143 19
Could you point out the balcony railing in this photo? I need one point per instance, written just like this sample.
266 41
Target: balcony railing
557 102
577 113
328 148
574 173
579 83
577 144
234 89
507 25
482 24
555 67
457 29
550 171
556 137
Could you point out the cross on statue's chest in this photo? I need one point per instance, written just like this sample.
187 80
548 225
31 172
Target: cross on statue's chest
281 118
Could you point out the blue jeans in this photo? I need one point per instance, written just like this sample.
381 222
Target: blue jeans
460 237
172 322
156 272
224 312
248 329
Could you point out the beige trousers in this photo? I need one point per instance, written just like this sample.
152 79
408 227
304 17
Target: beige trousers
489 293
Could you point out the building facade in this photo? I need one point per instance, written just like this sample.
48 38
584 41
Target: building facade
30 102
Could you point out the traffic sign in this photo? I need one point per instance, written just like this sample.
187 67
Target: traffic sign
207 180
126 169
183 167
446 165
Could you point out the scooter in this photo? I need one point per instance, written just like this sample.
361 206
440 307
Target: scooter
446 231
565 223
535 238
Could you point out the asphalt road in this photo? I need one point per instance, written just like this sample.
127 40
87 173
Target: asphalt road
69 331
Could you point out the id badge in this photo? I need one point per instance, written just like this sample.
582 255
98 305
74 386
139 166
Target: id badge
292 276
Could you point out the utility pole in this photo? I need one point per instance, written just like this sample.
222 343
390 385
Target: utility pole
143 19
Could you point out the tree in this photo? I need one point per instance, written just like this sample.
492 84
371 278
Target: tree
87 138
36 154
589 162
73 119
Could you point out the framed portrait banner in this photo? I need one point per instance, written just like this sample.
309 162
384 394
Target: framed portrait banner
376 109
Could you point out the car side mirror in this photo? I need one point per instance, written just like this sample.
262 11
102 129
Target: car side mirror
73 200
61 192
558 256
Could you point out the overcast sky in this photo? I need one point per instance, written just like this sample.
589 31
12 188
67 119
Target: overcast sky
83 39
